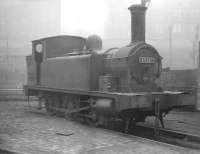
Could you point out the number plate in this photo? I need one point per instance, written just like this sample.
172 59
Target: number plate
146 60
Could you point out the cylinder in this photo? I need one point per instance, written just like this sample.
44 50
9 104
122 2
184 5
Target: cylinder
137 22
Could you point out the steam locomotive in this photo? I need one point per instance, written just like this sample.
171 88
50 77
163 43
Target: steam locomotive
74 76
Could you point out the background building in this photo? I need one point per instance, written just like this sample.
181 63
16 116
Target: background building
20 22
172 26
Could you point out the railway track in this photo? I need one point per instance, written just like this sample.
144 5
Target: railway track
6 151
103 139
169 136
129 137
164 135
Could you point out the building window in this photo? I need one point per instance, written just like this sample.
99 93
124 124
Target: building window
176 28
159 29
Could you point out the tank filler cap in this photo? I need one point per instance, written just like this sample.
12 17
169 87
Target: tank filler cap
94 43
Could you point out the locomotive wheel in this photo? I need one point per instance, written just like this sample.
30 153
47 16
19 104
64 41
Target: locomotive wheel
92 120
53 105
62 101
57 104
48 105
103 121
97 120
71 105
65 103
127 123
130 124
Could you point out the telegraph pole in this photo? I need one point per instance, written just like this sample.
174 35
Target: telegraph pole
196 45
145 3
170 46
199 55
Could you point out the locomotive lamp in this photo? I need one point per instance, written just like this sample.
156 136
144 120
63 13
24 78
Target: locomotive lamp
38 48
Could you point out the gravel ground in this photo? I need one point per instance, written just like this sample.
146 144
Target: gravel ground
31 131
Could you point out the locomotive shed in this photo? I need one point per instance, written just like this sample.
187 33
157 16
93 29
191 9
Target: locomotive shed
28 130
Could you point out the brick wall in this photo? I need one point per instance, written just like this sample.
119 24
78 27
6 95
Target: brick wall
12 71
176 79
184 80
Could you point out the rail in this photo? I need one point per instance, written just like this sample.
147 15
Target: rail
168 136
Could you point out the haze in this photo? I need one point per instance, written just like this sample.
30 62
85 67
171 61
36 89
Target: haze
172 26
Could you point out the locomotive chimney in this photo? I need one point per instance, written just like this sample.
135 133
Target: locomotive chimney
137 22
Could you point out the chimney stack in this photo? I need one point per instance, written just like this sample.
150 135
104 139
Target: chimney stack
137 22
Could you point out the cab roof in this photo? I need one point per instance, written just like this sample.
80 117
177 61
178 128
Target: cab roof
57 36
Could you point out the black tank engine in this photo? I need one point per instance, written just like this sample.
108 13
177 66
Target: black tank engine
74 76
